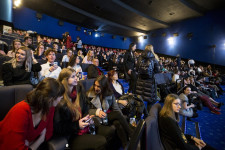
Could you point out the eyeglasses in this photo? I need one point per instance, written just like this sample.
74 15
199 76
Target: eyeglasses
177 104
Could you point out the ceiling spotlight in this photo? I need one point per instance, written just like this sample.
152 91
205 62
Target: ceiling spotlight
176 34
17 3
96 35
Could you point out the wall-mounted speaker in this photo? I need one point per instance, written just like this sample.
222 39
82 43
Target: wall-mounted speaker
153 35
39 16
164 34
176 34
61 23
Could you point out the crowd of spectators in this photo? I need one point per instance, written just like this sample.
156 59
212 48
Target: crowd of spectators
65 61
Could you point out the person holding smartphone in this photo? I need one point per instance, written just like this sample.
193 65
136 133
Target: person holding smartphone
103 104
71 115
51 68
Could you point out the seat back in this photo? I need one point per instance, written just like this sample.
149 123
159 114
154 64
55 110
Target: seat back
64 65
84 67
87 83
2 60
152 136
163 78
135 139
10 95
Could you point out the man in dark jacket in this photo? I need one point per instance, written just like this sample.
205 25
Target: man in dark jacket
129 64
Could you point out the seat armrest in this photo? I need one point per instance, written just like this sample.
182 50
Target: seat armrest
57 143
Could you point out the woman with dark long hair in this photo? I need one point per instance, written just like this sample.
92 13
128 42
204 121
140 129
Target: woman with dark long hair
103 104
74 63
30 122
170 133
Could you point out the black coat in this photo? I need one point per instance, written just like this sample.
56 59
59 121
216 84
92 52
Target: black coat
92 71
63 121
171 135
18 75
147 65
129 61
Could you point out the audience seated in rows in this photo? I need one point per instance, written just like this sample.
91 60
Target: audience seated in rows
193 85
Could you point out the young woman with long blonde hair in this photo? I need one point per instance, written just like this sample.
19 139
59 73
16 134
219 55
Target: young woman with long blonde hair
170 133
18 70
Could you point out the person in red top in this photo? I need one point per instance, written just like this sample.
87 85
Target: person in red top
30 122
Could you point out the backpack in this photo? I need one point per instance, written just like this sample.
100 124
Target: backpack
135 106
146 67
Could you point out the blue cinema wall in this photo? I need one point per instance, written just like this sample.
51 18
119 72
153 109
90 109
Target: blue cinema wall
25 19
207 30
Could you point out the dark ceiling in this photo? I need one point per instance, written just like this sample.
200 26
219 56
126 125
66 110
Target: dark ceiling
124 17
